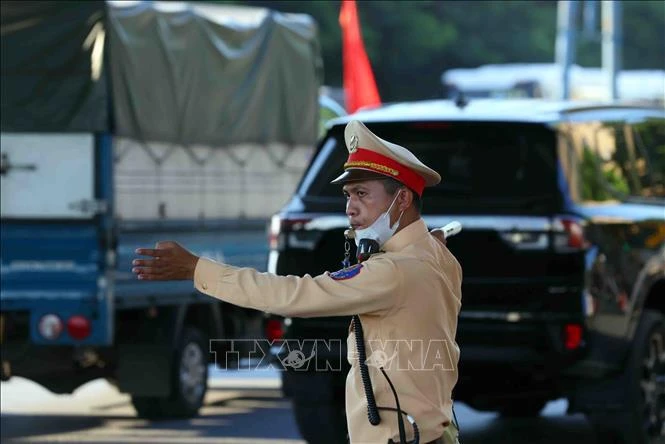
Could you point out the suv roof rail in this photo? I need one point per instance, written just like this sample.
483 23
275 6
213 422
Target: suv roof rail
612 105
461 101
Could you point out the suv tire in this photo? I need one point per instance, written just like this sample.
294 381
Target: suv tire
643 384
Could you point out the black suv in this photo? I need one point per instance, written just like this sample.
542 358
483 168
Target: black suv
562 251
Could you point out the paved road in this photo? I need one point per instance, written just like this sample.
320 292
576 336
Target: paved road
241 408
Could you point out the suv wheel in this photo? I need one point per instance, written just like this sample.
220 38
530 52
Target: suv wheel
643 382
650 375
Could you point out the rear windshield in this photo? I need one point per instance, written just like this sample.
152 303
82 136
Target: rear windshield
481 164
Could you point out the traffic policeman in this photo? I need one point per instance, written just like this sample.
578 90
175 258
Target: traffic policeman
406 292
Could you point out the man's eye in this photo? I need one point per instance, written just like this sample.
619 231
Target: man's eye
361 193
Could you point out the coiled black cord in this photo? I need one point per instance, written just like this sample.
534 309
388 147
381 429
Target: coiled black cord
372 408
372 411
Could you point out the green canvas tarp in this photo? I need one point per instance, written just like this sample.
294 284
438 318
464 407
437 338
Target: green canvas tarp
213 75
52 76
181 73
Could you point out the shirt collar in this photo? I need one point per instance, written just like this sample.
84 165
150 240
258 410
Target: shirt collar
406 236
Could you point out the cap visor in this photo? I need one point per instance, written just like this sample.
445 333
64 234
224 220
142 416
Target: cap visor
356 174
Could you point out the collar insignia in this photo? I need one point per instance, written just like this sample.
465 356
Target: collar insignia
346 273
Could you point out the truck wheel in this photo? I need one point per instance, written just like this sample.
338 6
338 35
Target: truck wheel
147 407
188 385
643 383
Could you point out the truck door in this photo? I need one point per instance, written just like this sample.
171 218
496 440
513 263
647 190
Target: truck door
56 225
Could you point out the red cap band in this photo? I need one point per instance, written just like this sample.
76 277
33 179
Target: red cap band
373 161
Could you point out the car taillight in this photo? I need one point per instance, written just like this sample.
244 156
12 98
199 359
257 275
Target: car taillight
572 336
279 226
569 235
50 326
273 233
274 330
78 327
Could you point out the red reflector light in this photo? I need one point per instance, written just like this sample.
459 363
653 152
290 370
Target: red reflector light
274 330
78 327
572 336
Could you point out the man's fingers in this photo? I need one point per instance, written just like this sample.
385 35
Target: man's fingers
148 252
147 277
166 244
148 273
146 262
168 261
155 252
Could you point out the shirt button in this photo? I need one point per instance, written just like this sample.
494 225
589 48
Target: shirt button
204 286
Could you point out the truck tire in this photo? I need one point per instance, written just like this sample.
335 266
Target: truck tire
189 381
643 383
147 407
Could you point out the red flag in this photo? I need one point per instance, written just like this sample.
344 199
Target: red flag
359 85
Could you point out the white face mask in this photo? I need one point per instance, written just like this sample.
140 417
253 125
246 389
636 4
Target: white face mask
380 230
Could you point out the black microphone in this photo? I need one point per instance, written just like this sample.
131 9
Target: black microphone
366 248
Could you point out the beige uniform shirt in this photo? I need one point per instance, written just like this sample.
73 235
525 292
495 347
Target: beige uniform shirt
408 298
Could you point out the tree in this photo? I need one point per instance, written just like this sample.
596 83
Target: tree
410 44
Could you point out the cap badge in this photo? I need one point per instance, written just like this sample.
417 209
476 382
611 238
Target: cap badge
353 144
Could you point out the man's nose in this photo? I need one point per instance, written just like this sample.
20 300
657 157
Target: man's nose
351 210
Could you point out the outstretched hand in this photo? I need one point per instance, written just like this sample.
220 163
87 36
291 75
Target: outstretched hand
170 262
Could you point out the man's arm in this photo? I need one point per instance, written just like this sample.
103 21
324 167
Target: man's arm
367 288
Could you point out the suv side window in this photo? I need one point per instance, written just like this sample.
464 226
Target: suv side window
617 160
649 139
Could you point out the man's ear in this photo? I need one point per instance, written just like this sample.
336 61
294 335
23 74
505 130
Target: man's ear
405 199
